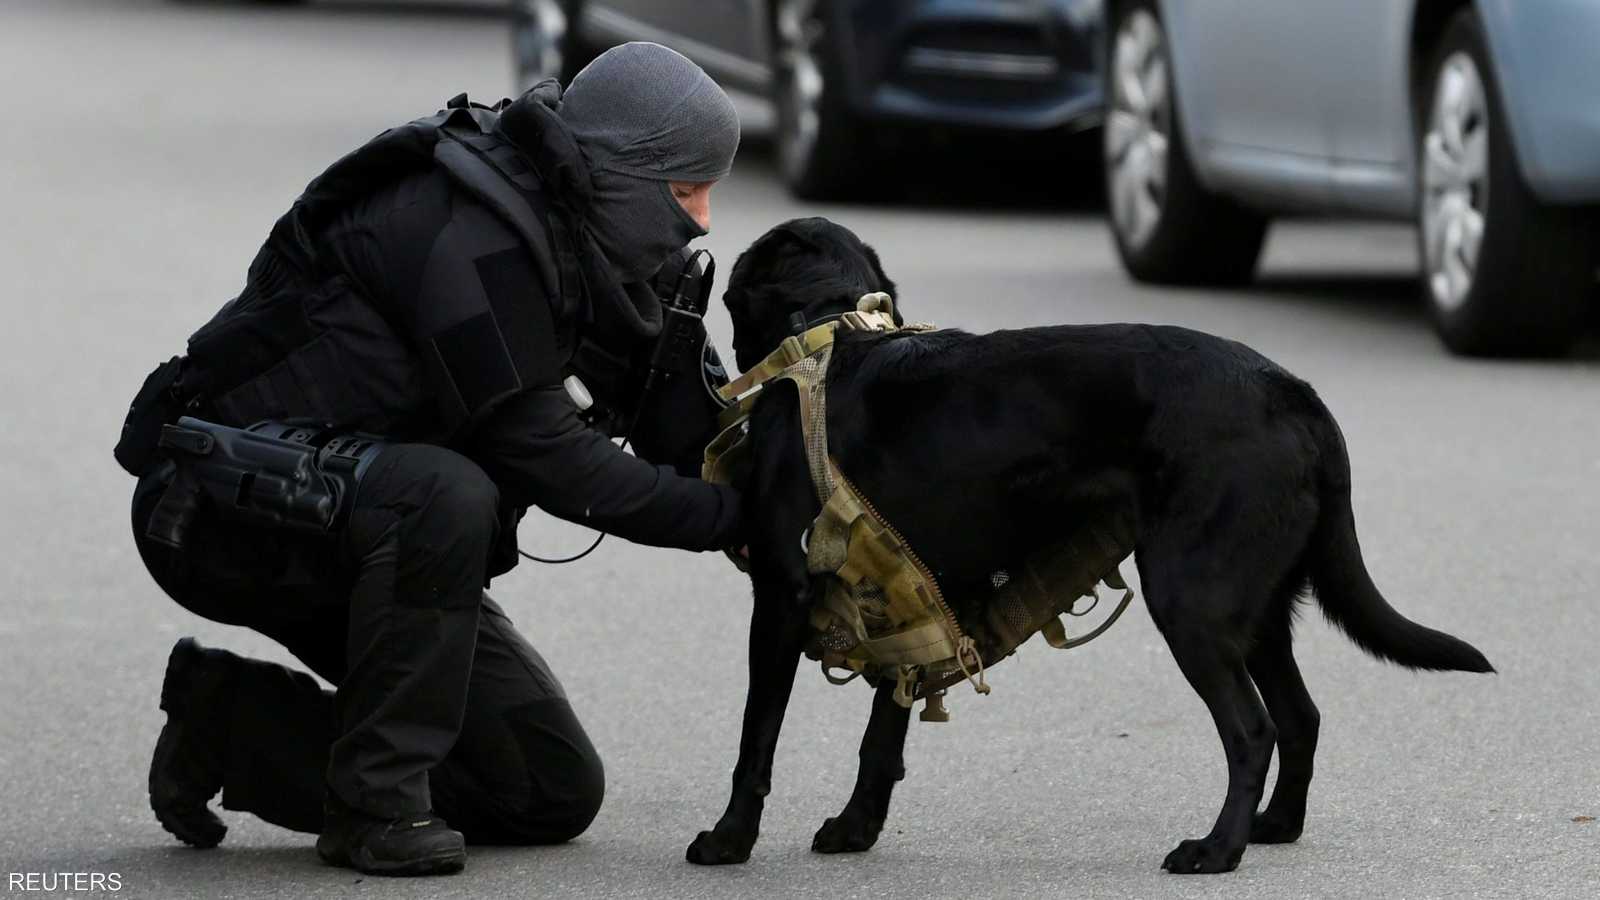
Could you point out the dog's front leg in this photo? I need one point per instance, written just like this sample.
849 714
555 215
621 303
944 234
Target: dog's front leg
882 764
782 506
778 632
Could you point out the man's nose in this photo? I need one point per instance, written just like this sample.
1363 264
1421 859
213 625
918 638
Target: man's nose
700 209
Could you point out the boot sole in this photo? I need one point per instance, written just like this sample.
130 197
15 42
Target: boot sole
196 827
444 862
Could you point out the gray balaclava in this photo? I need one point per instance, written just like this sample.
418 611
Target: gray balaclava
644 115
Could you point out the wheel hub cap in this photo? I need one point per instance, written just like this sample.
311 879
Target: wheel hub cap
1455 180
800 86
1138 128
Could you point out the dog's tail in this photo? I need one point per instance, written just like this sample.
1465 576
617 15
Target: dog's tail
1345 590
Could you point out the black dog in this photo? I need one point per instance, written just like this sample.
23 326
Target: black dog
985 448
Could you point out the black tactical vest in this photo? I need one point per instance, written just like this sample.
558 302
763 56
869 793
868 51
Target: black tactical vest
301 342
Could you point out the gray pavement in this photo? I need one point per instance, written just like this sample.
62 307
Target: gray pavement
148 146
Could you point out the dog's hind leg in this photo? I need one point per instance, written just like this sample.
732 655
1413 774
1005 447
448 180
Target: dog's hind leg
1211 565
1217 673
1221 541
882 764
1277 677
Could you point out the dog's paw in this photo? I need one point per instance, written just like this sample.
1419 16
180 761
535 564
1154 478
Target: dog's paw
1266 828
1202 856
846 833
719 848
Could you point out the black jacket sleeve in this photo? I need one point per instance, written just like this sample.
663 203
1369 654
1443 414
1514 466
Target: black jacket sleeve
541 454
410 244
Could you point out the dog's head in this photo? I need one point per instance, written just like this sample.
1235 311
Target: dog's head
795 275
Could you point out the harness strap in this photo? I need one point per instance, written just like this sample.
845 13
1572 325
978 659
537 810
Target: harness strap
1055 631
794 348
810 379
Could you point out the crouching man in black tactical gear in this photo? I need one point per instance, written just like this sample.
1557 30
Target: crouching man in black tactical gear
435 288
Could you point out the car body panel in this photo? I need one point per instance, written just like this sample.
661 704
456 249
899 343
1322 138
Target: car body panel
1547 62
1308 106
1247 136
1367 107
1366 46
1226 97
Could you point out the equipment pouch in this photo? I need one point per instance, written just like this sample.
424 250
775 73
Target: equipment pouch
159 402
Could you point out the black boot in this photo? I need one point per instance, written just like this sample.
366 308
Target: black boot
411 845
186 771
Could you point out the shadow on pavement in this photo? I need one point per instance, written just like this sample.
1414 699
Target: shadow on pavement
1388 296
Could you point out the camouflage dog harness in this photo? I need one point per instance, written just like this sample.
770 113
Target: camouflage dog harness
882 613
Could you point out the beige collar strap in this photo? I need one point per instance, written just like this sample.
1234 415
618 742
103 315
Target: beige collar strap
793 349
873 312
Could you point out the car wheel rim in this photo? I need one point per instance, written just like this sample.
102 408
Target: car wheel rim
538 34
799 34
1455 180
1138 128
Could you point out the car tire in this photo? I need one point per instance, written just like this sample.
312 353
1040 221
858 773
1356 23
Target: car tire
545 42
1503 274
824 151
1167 227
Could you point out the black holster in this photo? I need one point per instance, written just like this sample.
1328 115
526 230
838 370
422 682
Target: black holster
271 474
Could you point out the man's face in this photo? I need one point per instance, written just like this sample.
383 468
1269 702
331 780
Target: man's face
695 198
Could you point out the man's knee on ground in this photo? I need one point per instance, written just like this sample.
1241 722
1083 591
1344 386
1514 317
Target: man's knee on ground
589 791
558 815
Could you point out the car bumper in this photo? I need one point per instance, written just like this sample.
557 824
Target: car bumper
1548 69
1018 65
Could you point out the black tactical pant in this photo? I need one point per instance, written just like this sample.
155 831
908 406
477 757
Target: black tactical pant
440 704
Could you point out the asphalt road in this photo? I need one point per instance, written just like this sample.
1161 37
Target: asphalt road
148 146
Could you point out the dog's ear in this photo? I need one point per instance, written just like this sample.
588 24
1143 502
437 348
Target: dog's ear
761 255
794 232
769 258
800 230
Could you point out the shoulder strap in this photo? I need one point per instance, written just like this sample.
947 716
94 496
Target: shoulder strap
494 172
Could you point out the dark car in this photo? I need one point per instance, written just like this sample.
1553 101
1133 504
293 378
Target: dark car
839 71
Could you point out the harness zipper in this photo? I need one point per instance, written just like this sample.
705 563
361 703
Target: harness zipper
961 640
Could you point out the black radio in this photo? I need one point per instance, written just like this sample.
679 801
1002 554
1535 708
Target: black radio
680 345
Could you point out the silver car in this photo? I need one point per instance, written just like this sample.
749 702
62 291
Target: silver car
1478 120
